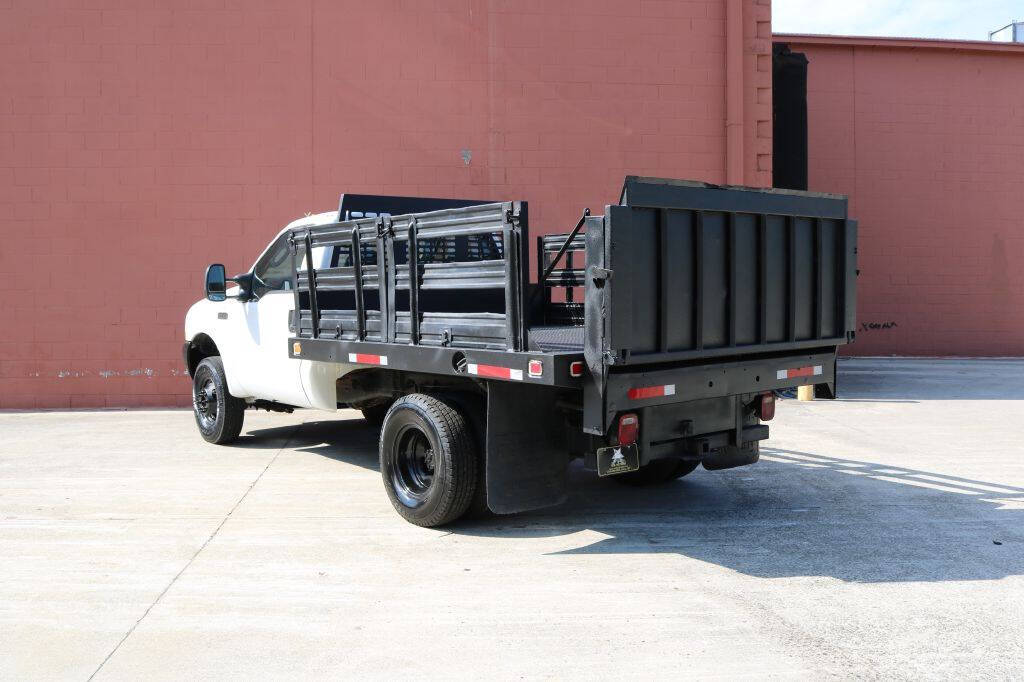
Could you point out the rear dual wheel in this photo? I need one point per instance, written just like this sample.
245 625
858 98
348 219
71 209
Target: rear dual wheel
428 460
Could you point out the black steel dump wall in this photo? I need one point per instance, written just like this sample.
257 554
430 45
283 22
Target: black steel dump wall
710 271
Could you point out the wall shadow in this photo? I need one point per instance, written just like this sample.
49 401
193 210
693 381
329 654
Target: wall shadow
791 514
911 380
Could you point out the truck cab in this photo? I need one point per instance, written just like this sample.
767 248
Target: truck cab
247 326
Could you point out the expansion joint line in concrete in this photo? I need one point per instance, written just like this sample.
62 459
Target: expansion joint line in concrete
188 563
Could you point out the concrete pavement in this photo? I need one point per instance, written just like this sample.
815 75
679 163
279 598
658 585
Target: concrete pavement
879 536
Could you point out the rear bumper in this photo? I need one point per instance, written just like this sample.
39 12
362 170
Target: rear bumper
704 445
720 433
700 429
630 391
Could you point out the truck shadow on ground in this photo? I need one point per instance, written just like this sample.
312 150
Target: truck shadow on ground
806 514
791 514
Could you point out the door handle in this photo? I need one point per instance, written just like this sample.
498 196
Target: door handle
222 316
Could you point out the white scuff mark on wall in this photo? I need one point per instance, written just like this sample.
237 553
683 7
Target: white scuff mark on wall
147 372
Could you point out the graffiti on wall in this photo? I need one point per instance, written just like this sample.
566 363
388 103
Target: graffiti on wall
876 326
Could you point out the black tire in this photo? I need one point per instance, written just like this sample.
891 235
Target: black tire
658 471
428 460
374 414
476 410
219 415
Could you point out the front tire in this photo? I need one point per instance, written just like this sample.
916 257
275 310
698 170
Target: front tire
657 471
219 415
428 460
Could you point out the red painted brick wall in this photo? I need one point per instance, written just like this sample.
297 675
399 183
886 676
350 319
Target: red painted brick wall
928 141
141 140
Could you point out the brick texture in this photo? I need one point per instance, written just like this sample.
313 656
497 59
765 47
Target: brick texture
141 140
929 144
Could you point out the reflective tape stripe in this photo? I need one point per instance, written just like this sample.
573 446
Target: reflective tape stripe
367 359
798 372
643 392
495 372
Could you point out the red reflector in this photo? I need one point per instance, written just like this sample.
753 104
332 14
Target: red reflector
494 371
629 427
367 359
795 372
767 408
645 392
535 368
576 369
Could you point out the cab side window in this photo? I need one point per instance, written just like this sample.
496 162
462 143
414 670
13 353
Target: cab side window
274 270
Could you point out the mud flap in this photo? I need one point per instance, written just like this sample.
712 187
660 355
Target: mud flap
526 458
830 390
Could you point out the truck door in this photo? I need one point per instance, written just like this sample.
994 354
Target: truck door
269 373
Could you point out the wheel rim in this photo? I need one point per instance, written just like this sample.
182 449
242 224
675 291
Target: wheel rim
204 400
412 473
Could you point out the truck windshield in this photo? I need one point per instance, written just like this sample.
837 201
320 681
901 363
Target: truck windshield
273 271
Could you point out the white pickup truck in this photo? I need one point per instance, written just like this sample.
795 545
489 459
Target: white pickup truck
239 340
650 343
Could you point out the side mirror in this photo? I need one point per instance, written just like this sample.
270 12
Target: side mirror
216 282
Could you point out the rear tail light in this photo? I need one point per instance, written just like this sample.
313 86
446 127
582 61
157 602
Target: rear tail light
576 369
766 407
629 427
535 368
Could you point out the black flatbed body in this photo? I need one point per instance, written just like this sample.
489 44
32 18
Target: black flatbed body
681 304
658 316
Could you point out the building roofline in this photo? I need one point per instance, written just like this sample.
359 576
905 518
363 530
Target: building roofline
900 43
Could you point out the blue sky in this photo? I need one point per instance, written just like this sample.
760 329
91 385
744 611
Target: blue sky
961 19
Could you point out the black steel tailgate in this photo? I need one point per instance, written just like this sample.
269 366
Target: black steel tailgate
683 274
